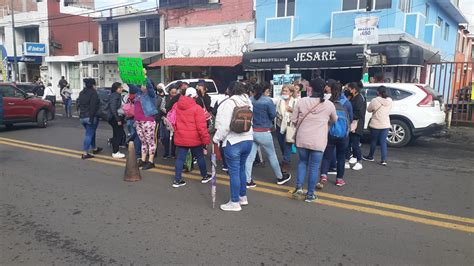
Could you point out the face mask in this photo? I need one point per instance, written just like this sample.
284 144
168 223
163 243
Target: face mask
285 97
327 96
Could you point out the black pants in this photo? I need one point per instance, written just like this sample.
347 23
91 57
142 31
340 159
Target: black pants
118 134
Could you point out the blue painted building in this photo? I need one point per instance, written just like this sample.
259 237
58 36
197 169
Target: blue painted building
299 32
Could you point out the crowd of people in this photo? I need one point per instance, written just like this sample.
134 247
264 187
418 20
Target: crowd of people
324 128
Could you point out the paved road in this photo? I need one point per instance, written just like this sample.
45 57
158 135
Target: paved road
56 208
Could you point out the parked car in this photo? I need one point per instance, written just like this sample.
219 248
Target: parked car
417 110
28 87
210 86
21 107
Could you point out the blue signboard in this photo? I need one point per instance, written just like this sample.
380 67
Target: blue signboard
26 59
32 48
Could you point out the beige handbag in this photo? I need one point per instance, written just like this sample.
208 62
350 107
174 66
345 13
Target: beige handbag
290 129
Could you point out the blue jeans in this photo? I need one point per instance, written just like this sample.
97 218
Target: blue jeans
170 148
265 141
308 159
197 153
378 135
339 146
68 107
284 146
236 156
133 136
89 137
354 147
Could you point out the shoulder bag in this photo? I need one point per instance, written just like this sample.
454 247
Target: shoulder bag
302 119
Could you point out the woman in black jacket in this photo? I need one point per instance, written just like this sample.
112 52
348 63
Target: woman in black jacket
359 107
88 104
116 120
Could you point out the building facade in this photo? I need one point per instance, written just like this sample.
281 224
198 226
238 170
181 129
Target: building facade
299 32
127 34
49 35
206 39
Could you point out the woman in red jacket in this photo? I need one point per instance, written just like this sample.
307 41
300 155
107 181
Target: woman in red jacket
190 134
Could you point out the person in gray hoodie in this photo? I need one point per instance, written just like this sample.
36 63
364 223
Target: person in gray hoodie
237 146
379 124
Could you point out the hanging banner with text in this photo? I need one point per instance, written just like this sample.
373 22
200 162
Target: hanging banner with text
366 30
131 70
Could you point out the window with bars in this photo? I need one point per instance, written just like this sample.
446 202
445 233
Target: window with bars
446 32
150 35
405 6
285 8
110 38
362 4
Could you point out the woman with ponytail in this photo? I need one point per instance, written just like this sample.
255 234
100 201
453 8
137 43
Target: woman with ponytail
312 116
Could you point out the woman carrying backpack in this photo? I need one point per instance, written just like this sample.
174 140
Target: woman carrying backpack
190 134
145 111
312 115
264 112
234 130
379 124
338 138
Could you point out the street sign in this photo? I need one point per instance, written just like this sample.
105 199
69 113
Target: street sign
131 70
366 31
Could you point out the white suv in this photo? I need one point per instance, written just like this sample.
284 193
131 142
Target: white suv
417 110
210 86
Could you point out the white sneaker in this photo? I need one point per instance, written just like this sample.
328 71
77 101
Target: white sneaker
231 206
357 166
118 155
243 201
353 160
347 165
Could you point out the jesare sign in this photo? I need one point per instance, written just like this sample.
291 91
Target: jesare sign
32 48
315 56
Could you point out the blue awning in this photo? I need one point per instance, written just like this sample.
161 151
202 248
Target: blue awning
26 59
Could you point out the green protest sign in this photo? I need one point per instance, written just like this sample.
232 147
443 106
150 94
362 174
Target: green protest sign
131 70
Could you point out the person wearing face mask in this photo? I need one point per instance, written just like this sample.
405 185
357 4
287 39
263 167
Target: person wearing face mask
284 107
359 107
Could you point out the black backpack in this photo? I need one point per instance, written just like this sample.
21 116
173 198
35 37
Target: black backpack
104 106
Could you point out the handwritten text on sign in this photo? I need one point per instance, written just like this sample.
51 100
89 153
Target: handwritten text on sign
131 70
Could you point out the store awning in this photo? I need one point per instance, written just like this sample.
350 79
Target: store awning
113 57
333 57
222 61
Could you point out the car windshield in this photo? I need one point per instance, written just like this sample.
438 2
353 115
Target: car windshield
211 88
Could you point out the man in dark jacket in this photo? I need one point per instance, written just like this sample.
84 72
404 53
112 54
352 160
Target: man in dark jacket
88 107
116 120
359 107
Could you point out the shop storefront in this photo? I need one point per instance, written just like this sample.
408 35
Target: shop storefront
342 63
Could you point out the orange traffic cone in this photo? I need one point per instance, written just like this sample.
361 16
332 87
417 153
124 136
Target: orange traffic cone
132 173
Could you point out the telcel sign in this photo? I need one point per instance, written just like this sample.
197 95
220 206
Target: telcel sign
34 49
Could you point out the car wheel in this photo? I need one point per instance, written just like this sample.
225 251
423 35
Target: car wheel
42 119
399 135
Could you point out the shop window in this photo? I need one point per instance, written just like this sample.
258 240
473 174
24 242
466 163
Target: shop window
446 32
150 35
95 73
405 6
110 38
285 8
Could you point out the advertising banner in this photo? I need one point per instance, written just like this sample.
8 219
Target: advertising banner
366 30
282 79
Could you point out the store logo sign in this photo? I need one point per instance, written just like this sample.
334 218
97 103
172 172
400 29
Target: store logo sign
32 48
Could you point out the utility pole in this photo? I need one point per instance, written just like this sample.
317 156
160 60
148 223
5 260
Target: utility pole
365 69
15 61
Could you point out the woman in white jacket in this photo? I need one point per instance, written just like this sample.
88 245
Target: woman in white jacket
237 146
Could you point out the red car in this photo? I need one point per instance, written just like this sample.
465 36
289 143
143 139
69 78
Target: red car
20 107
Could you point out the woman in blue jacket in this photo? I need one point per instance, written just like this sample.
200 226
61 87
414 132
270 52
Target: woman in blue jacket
264 112
145 111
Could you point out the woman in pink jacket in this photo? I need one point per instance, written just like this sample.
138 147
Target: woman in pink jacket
312 116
